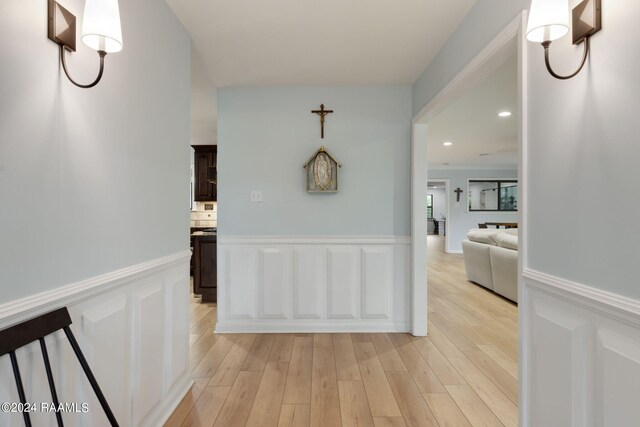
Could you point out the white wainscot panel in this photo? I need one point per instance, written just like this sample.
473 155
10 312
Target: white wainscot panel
239 288
34 380
106 329
377 282
559 352
149 337
401 293
313 284
177 327
310 281
133 334
274 283
618 362
344 283
581 354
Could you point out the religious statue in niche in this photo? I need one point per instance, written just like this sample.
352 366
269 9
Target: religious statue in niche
322 172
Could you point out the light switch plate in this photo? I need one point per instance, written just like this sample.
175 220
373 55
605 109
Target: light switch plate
256 196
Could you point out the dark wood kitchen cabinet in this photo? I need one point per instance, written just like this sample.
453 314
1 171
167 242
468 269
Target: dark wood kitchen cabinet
205 171
205 270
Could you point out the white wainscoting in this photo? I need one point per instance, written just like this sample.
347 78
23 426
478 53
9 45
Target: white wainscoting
313 284
581 354
133 327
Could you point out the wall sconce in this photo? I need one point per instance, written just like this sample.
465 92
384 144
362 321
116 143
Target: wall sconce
100 31
549 21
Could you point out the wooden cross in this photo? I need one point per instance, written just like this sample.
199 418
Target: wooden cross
322 112
458 192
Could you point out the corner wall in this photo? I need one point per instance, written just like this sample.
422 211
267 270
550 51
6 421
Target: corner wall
94 190
579 303
91 180
313 262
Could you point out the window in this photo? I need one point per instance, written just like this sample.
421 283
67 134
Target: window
429 206
493 196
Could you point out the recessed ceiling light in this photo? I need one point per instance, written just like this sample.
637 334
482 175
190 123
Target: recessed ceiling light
447 143
504 114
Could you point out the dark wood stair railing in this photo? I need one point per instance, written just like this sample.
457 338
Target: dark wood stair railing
37 329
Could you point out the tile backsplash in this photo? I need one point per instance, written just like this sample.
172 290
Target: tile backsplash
203 217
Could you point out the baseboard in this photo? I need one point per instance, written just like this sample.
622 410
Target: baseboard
17 311
172 401
262 326
458 252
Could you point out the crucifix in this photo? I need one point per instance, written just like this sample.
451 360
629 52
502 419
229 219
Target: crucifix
458 192
322 112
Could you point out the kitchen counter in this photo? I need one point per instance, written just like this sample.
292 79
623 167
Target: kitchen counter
204 234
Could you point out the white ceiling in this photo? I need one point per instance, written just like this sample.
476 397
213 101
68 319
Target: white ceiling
318 42
471 122
309 42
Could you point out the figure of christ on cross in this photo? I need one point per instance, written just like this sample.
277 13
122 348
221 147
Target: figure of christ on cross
322 112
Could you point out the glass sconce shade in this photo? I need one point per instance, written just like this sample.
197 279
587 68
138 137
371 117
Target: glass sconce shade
548 20
101 25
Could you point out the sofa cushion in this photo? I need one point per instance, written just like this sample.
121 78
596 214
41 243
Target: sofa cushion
507 241
504 268
485 236
477 262
512 231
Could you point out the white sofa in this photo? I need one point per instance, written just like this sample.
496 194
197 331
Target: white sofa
491 260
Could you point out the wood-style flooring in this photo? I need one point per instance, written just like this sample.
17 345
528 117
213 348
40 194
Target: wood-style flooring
465 373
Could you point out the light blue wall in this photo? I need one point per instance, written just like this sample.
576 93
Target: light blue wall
582 143
265 135
583 156
91 180
460 220
483 22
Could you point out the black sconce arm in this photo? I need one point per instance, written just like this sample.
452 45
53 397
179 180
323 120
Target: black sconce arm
546 45
102 54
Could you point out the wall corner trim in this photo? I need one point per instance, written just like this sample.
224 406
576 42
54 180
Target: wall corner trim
314 240
16 311
607 303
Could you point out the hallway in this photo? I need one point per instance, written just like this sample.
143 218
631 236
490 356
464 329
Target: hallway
464 373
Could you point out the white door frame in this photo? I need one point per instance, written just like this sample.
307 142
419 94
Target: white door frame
480 67
447 188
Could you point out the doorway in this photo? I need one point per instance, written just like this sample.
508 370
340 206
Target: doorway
503 45
510 40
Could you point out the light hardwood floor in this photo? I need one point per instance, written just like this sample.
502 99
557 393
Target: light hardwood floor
465 373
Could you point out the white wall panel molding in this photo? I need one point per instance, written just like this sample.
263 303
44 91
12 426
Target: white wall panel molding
25 308
106 342
582 347
275 278
314 240
607 303
560 347
343 288
313 284
377 282
133 326
617 380
309 281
